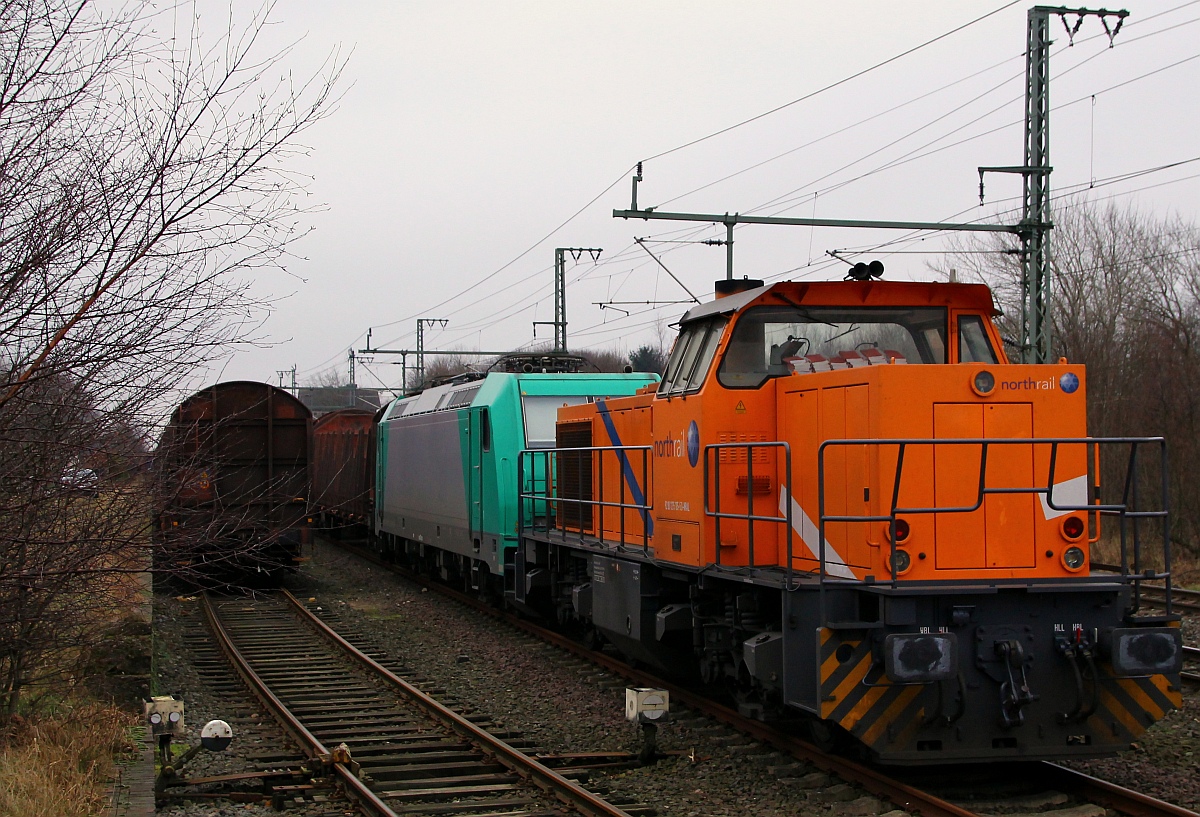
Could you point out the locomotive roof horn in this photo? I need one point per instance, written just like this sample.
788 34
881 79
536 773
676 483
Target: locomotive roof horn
865 272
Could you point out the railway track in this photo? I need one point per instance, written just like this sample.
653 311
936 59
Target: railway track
392 747
1182 598
910 797
1191 664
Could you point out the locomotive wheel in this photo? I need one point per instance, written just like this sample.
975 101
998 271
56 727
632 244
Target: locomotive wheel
821 734
592 639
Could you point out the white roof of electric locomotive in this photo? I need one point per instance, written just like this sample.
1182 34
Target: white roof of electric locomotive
452 395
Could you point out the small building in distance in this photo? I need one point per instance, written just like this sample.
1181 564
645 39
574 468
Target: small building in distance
324 399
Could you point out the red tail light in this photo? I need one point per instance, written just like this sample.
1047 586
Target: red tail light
1072 528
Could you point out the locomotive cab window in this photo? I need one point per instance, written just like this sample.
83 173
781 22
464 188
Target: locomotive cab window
691 357
973 343
774 341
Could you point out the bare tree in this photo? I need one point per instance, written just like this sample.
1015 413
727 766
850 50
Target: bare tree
606 360
441 367
331 378
145 178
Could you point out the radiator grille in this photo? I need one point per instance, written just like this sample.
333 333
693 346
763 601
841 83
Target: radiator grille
574 475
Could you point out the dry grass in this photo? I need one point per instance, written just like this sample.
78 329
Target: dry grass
1185 565
60 764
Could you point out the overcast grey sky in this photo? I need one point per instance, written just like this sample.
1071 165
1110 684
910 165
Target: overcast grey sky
472 138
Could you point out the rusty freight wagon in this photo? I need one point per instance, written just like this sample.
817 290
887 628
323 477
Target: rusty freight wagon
343 454
232 485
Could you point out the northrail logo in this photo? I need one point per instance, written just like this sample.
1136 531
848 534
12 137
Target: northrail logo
668 447
1068 383
672 447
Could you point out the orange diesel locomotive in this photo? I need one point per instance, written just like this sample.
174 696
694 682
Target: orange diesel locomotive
843 501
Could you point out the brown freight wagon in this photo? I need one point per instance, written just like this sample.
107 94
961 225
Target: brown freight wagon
343 454
233 485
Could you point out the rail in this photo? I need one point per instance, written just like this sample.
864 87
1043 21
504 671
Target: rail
546 779
903 795
311 745
544 506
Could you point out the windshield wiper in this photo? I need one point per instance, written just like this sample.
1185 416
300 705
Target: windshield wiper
854 327
804 313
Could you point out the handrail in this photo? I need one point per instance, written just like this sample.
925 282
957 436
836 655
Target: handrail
1125 510
551 468
749 517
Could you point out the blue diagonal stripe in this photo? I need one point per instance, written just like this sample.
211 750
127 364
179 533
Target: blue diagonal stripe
635 490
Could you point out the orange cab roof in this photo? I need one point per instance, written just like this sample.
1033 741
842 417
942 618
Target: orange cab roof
852 293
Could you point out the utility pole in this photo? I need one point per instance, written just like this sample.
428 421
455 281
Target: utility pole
560 292
1037 342
421 324
353 387
284 373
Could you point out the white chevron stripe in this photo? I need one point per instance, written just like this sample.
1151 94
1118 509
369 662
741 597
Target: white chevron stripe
809 533
1069 492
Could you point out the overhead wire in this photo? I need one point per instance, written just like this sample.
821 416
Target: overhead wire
519 256
832 85
810 95
596 329
915 154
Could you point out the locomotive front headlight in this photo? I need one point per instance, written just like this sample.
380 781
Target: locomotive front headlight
1074 558
984 383
900 562
920 658
1139 651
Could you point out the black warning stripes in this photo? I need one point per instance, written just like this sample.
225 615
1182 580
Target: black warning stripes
874 710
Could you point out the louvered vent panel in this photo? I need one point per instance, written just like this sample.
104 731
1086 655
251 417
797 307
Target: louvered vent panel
739 454
575 475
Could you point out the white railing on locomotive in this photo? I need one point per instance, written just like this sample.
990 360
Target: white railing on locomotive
749 517
1126 511
549 497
